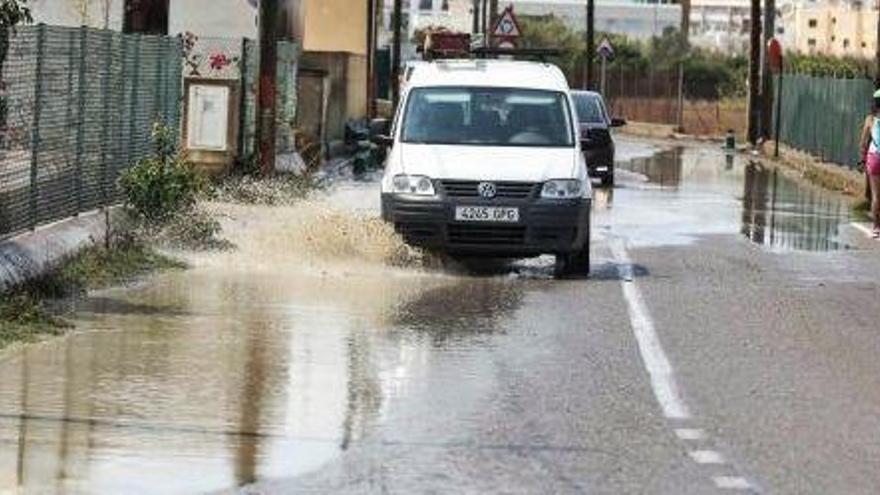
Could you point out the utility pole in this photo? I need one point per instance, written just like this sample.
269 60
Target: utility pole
371 58
267 85
396 18
493 19
589 77
685 26
476 28
766 75
754 74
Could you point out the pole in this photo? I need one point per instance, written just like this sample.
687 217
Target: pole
766 73
604 74
754 74
267 85
492 15
395 53
590 45
476 27
777 133
371 58
680 119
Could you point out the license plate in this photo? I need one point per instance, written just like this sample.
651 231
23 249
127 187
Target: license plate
486 214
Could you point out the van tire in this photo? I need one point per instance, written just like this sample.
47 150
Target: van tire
575 264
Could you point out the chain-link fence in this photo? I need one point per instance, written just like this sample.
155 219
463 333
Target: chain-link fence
824 116
665 97
77 107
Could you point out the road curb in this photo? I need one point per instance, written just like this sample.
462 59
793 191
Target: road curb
35 254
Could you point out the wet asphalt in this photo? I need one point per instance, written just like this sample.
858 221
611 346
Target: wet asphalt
274 369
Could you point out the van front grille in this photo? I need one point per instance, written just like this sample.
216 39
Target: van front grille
504 190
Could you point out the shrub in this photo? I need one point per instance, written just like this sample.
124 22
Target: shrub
160 186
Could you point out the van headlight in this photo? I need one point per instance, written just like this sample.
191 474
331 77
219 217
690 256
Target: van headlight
562 189
419 185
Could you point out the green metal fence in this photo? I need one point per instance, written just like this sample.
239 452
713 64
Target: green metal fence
824 116
77 107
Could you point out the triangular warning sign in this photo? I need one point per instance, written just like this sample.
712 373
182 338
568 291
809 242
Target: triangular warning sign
507 27
605 49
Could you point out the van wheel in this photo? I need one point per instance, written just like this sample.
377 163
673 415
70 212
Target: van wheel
575 264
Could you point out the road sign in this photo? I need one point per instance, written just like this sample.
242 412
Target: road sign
605 49
507 27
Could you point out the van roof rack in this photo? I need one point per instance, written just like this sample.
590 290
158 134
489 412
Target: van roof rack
540 54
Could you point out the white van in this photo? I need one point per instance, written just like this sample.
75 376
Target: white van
485 160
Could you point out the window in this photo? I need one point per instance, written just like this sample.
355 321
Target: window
846 43
834 20
833 39
590 109
445 6
811 42
812 23
426 5
864 45
487 117
146 16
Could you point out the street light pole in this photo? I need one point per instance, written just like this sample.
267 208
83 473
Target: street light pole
267 85
766 77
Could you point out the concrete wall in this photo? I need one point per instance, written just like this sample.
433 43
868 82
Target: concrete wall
215 18
336 26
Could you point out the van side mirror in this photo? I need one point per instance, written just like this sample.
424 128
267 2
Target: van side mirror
616 122
380 130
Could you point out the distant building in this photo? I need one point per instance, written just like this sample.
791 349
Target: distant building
721 25
834 28
633 19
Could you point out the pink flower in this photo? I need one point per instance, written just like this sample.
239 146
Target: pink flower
219 61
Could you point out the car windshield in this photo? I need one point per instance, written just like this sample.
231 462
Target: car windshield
589 109
487 116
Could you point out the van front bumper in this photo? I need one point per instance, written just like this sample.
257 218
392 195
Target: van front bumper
545 226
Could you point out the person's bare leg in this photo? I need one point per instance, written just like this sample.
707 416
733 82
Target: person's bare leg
875 199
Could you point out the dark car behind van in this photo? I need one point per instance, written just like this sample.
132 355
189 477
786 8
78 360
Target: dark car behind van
597 142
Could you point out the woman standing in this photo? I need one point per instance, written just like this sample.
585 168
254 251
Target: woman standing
871 158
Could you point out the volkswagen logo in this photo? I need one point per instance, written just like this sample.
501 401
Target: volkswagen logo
487 190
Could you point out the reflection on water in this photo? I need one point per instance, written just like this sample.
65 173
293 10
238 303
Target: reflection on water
663 168
252 376
780 213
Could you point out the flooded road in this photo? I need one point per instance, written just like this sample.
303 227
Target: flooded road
324 356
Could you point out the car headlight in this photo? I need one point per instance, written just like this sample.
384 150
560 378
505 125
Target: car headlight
562 189
412 184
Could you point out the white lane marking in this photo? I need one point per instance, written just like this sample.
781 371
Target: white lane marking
706 457
660 371
690 434
867 230
731 482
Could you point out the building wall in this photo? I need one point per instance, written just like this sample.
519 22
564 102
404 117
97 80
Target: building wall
335 26
214 18
68 13
839 30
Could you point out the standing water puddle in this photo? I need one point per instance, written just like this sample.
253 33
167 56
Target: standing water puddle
682 193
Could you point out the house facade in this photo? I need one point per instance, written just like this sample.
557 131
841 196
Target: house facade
332 34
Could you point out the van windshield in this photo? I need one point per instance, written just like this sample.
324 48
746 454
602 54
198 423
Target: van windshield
487 117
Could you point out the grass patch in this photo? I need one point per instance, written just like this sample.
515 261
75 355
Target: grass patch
862 210
24 314
23 318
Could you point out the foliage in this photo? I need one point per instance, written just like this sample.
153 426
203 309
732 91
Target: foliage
159 187
550 31
14 12
828 66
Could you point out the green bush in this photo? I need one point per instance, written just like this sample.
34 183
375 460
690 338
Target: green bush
162 185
